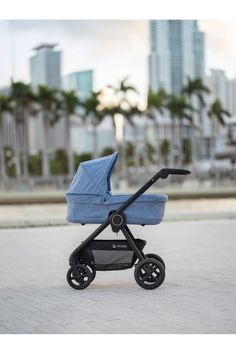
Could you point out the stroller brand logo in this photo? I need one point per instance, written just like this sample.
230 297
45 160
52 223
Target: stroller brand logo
118 246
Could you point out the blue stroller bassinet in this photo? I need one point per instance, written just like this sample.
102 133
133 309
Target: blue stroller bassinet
90 200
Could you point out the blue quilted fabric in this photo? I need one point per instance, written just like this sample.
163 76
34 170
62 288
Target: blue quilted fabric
90 200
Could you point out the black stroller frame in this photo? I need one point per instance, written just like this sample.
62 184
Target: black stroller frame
149 270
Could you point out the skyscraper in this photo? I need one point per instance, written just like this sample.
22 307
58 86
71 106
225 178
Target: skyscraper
81 82
218 84
45 69
232 97
45 66
176 52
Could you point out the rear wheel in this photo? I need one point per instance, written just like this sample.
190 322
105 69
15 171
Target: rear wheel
81 279
149 273
158 258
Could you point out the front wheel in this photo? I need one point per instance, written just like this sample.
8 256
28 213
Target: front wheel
81 279
93 272
149 273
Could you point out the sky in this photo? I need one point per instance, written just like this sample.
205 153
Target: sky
113 48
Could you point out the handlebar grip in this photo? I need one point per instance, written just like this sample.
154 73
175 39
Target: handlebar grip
178 171
173 171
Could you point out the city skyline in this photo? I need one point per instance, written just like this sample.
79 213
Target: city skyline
100 46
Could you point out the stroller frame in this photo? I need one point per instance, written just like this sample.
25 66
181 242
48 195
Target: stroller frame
117 220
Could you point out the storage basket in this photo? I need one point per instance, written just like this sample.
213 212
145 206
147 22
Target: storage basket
110 254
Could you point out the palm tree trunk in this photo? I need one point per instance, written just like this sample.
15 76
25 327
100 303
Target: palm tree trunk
213 143
181 152
45 157
2 163
145 152
26 145
173 142
158 155
193 148
95 142
193 142
16 147
2 157
69 148
123 156
136 158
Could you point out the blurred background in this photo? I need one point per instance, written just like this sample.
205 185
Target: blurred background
162 92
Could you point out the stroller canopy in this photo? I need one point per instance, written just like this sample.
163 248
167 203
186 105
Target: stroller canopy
93 177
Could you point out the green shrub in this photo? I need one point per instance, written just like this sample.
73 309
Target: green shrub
81 158
10 166
59 164
107 151
35 165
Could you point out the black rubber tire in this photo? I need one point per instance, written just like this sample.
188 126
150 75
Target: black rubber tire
83 280
158 258
149 266
93 272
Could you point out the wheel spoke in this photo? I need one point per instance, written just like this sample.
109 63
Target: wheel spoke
145 277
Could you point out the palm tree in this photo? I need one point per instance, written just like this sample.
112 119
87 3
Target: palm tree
156 103
216 113
49 104
123 107
5 107
178 108
195 88
70 103
23 100
94 109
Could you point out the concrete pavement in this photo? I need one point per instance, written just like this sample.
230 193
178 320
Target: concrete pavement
198 295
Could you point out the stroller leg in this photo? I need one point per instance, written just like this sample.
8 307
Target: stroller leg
130 238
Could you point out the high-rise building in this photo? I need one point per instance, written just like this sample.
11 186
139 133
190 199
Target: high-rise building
232 97
45 66
218 84
81 82
176 52
223 89
45 69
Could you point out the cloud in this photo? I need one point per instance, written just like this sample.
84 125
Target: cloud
103 30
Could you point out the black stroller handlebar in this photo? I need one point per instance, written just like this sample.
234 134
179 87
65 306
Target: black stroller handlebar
165 172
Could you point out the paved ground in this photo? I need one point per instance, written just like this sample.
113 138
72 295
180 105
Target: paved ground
54 214
198 295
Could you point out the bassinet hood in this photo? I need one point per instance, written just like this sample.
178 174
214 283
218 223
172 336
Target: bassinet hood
93 176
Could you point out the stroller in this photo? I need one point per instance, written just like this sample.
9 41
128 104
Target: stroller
90 201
